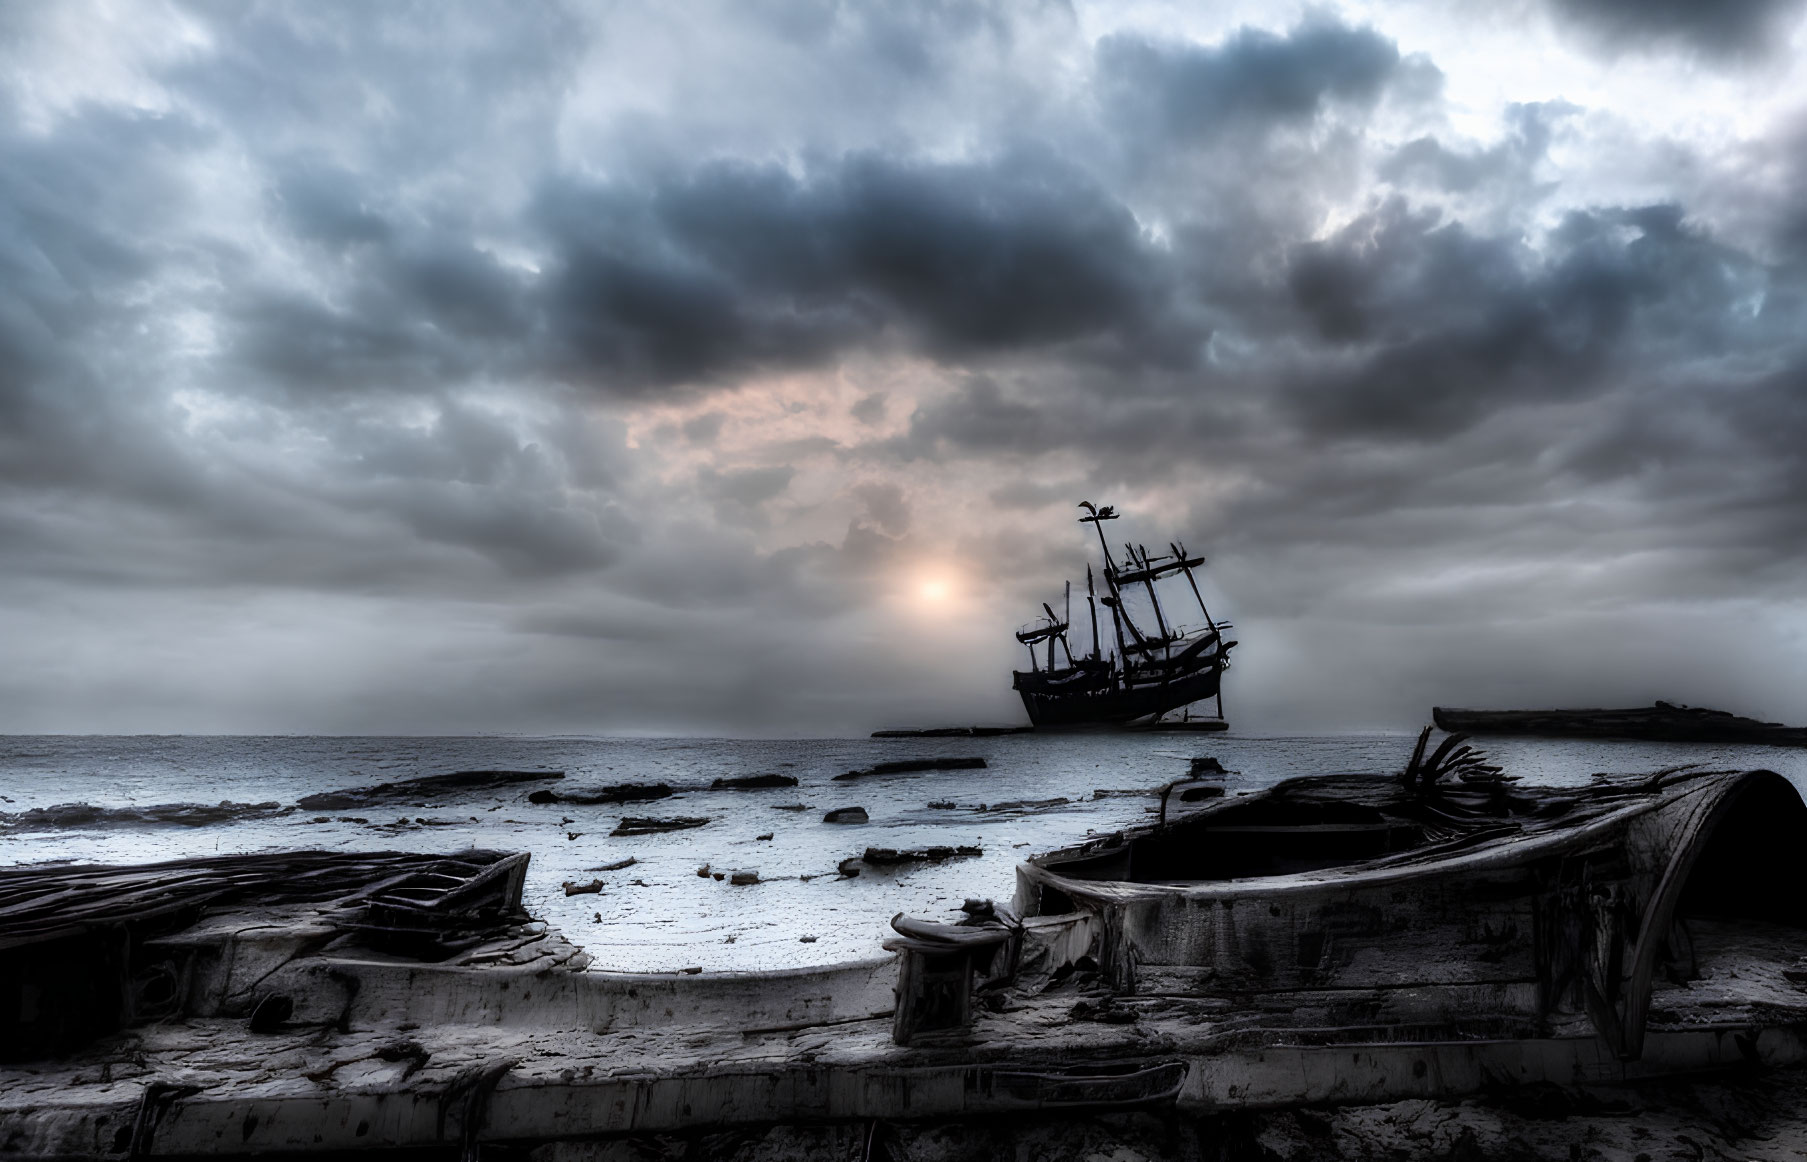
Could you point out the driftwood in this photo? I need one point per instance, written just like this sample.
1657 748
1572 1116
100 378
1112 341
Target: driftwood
618 865
418 791
639 825
619 793
912 766
1663 722
890 857
1023 805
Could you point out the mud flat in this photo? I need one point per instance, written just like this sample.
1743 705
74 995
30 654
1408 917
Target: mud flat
1663 722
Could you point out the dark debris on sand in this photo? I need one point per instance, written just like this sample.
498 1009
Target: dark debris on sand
1758 1118
640 825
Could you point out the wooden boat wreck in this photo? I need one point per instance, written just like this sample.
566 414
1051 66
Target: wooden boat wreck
1147 669
1662 722
1339 938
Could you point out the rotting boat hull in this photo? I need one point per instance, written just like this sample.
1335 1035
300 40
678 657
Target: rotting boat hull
1572 925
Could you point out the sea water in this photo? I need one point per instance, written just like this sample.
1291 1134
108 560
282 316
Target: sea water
660 914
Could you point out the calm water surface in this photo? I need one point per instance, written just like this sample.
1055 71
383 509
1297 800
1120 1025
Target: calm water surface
659 914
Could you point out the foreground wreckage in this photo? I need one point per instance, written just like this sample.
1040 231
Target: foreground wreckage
1345 938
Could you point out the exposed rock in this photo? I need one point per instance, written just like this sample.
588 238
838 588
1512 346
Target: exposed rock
419 791
180 814
753 782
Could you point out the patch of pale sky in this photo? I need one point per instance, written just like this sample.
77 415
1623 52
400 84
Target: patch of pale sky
104 52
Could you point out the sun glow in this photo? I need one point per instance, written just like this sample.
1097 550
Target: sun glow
934 591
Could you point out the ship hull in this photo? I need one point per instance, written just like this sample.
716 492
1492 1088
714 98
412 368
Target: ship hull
1115 704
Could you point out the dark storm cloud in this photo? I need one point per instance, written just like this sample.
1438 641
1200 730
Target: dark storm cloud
415 314
1253 80
1443 326
737 267
1716 27
114 251
324 203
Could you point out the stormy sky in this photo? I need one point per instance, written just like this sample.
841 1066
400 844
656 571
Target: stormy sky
737 367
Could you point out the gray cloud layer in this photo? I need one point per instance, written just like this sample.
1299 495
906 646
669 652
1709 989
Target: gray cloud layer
311 314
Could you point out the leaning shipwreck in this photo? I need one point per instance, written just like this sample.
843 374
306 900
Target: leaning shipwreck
1336 938
1146 670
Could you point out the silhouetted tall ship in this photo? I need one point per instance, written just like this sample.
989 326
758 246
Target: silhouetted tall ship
1153 664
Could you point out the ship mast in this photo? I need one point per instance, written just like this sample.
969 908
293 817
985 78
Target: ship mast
1154 599
1113 601
1179 554
1066 618
1091 600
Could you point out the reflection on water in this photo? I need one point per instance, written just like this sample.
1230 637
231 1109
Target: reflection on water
658 913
